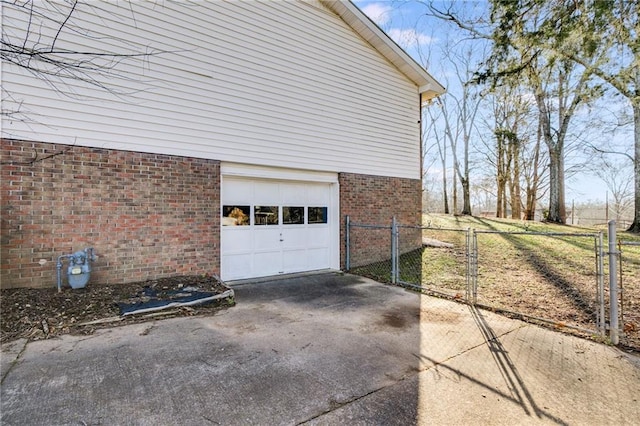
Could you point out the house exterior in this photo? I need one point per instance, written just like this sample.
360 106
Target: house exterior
211 137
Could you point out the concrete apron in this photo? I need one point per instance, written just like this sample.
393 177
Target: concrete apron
322 349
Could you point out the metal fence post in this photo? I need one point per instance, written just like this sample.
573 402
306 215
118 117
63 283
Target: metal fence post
600 284
467 253
613 284
397 252
474 275
347 242
394 252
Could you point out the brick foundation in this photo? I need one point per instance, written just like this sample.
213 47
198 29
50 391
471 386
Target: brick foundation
146 215
375 200
150 216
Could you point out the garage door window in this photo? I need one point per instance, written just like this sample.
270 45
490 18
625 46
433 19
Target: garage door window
266 215
317 215
235 215
293 215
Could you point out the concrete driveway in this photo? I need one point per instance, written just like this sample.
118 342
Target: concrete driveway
321 349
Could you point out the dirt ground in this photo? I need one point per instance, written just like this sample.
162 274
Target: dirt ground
44 313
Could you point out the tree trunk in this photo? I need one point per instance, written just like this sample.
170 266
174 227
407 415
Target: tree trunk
500 176
635 226
557 210
530 210
444 192
466 196
455 193
465 181
514 187
445 195
500 197
534 181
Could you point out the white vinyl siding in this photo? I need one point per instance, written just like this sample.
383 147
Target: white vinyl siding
272 83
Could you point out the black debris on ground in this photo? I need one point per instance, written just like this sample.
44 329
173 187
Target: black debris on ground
44 313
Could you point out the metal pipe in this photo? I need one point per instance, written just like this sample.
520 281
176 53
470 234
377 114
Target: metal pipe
394 251
613 284
547 234
600 268
467 252
59 268
621 292
361 225
347 241
474 251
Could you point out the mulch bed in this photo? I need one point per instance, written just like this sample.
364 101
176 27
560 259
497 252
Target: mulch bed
44 313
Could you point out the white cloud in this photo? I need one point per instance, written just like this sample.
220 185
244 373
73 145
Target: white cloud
378 12
409 38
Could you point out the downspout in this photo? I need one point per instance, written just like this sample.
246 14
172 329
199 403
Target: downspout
421 156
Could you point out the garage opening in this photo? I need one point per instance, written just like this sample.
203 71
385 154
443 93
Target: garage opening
276 226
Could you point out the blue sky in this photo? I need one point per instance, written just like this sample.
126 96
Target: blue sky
423 37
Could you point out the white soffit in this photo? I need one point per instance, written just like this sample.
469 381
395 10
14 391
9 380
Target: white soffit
428 87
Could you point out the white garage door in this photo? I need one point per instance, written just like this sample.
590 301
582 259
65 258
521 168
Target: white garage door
272 227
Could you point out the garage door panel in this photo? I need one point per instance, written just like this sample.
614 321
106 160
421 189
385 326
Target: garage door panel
266 193
293 193
318 236
318 258
267 263
319 195
236 240
266 239
294 238
237 191
236 266
295 260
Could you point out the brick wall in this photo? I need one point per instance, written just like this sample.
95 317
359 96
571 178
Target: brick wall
146 215
375 200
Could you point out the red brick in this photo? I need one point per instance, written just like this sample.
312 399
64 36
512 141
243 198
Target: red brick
102 198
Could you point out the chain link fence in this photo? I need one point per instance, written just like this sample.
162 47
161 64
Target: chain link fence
440 262
368 250
629 284
553 278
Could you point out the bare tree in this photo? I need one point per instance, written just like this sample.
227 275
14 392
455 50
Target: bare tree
510 114
534 176
617 176
612 28
33 34
441 144
460 113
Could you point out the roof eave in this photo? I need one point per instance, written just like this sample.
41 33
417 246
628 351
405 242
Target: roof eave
428 86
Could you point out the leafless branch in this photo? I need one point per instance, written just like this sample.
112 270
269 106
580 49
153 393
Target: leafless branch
61 67
53 43
605 151
449 16
36 158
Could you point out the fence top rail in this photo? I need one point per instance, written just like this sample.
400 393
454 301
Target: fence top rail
629 243
434 228
364 225
546 234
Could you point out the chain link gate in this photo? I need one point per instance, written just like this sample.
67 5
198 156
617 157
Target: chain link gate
449 262
629 288
538 287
